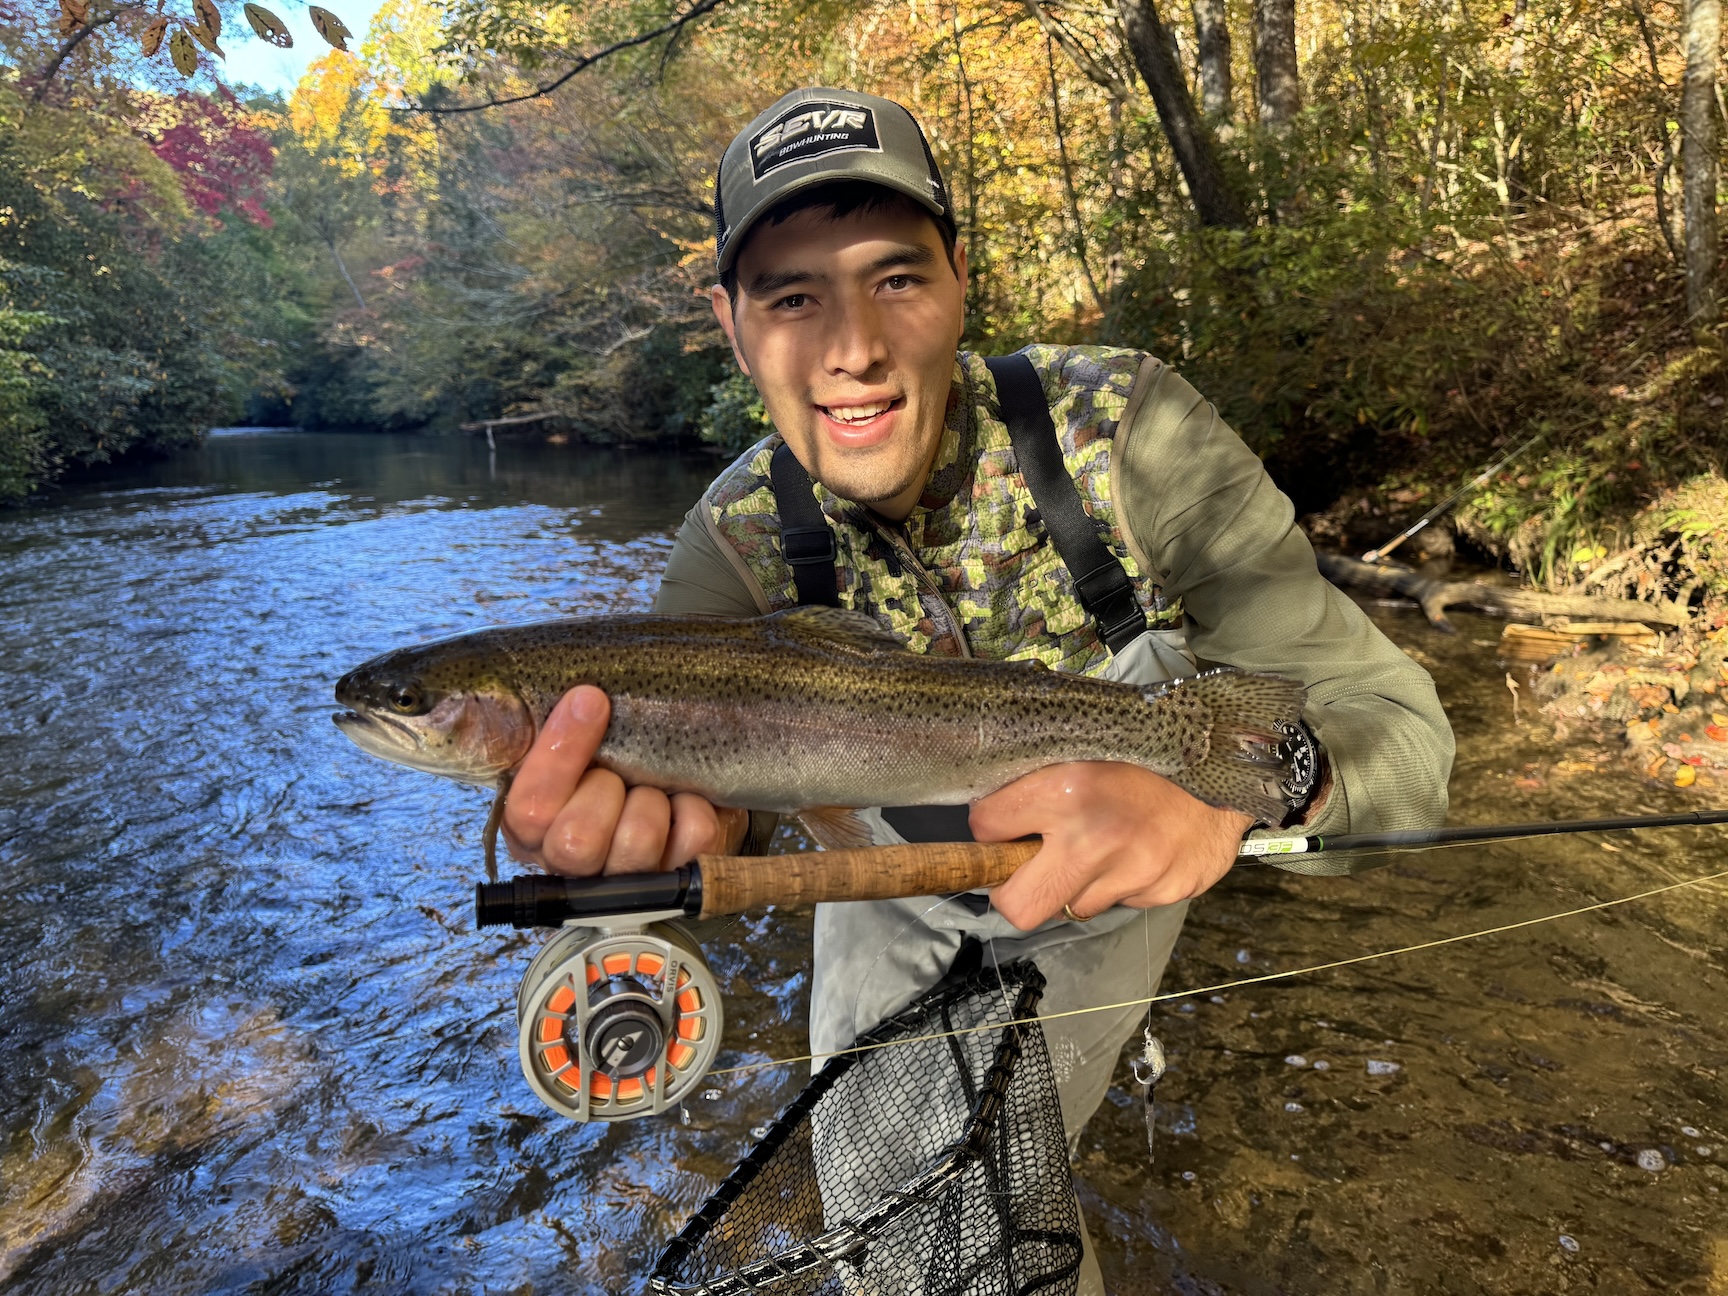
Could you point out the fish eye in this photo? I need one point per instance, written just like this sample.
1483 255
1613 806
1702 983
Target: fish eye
406 699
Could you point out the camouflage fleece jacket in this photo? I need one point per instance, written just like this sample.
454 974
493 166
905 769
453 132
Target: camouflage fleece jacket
1208 541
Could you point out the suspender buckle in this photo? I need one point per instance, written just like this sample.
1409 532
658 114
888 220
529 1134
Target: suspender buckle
808 546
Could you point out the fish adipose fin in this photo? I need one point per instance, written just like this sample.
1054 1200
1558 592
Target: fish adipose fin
836 628
835 827
1244 766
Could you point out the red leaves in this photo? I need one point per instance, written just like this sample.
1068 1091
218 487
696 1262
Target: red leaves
221 160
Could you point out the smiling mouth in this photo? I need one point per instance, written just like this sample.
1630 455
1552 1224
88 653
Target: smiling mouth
861 415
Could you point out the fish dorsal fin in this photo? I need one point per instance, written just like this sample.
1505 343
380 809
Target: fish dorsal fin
835 827
837 628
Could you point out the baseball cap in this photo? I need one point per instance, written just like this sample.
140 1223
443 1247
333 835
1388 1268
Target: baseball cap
814 136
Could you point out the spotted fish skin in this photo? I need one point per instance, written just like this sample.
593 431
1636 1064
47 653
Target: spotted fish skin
811 707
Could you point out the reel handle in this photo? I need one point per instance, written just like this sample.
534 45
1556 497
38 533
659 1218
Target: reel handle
733 884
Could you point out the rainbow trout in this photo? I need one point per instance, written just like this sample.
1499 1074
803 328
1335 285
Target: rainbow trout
807 709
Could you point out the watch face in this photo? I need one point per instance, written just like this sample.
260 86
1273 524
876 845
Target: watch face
1299 749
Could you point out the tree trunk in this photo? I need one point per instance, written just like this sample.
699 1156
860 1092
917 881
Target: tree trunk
1698 134
1213 35
1275 61
1149 43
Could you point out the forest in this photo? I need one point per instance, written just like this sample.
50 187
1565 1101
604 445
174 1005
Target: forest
1392 240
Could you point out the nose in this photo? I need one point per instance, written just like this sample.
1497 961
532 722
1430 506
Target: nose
857 342
344 685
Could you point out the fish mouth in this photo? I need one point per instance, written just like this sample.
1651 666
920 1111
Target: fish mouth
380 735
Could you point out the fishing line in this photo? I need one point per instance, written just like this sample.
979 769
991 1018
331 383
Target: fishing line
1262 979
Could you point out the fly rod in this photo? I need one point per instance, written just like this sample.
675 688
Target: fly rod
718 885
1469 833
1480 479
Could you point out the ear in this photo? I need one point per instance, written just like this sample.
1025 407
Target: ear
960 266
721 301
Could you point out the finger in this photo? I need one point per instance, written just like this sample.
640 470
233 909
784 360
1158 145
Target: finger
1025 807
1038 888
695 830
643 827
554 766
580 838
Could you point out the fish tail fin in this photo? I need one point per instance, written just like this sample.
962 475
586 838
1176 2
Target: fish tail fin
1245 761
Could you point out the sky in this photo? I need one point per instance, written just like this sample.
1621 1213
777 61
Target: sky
257 63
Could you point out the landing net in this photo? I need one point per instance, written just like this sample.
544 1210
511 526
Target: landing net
935 1168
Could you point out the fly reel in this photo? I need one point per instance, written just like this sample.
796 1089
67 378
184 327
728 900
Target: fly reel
617 1021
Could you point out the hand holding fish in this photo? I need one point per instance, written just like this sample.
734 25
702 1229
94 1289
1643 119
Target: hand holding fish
570 816
1113 834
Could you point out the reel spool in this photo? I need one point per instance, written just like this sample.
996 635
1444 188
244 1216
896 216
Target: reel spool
617 1022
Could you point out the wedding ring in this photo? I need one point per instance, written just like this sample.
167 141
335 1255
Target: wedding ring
1074 917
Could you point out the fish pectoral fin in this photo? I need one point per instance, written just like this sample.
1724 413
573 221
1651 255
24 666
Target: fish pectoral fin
835 827
837 628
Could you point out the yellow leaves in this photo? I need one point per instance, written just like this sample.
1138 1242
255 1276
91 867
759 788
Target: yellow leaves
330 27
321 104
151 40
180 49
1685 776
268 26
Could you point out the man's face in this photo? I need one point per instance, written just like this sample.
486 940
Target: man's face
849 329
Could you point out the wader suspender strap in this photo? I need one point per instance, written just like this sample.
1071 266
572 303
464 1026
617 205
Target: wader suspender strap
1103 586
806 543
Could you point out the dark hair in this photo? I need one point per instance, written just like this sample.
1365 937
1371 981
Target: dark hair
840 199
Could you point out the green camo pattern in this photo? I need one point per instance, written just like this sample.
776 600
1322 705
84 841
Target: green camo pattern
974 534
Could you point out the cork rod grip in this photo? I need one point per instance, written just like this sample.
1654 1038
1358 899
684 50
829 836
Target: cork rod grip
733 884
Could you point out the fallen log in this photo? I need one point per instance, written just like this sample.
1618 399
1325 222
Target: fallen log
486 425
1434 596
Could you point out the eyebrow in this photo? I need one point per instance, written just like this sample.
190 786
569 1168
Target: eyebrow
773 281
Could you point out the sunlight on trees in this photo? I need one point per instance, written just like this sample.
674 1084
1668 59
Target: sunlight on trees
1383 236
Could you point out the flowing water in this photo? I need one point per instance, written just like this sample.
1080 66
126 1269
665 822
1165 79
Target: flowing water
251 1042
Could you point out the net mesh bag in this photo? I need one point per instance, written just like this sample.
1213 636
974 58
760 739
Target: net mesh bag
915 1166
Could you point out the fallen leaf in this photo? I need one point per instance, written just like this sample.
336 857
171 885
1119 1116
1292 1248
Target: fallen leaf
1716 733
1529 783
1685 776
1655 767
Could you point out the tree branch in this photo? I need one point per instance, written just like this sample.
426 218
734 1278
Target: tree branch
52 68
675 26
1090 67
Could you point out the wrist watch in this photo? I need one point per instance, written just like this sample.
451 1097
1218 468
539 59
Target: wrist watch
1298 746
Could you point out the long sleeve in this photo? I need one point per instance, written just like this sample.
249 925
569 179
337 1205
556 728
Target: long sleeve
1198 508
703 578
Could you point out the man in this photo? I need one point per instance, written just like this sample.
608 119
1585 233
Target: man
842 290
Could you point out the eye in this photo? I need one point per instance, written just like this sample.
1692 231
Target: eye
406 699
897 283
793 301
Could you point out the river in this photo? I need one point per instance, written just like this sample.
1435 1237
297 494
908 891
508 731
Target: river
250 1041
